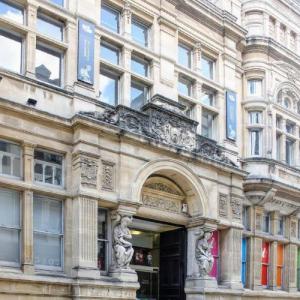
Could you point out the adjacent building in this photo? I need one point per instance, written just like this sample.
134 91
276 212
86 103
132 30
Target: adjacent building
149 149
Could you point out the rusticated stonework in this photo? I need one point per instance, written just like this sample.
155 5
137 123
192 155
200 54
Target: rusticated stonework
89 170
108 175
236 208
223 205
162 203
162 120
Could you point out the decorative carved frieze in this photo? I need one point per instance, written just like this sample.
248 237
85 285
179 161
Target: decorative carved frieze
160 186
162 203
108 175
236 208
223 205
89 170
162 120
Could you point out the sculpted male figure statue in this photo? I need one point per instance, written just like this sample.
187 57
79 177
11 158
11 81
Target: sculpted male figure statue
123 248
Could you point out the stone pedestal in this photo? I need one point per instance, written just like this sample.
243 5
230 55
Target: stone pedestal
195 287
127 275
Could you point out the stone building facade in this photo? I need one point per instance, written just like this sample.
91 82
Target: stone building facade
149 149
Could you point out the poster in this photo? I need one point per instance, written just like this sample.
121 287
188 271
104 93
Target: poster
85 63
231 115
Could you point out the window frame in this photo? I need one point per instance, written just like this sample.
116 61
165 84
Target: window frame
50 164
44 17
266 264
280 266
19 38
211 93
21 160
146 91
256 93
112 75
189 49
108 45
19 230
266 215
213 123
142 61
55 52
213 69
289 161
255 114
17 6
257 132
140 23
45 233
184 80
281 225
114 10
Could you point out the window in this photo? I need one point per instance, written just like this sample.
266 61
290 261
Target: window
280 226
265 263
279 267
139 95
244 261
110 53
110 18
246 217
287 103
109 87
255 117
208 97
58 2
184 86
184 55
49 27
10 52
10 159
48 167
10 227
48 232
139 32
255 87
298 269
266 223
289 151
215 253
207 124
102 239
139 66
278 146
207 67
11 11
255 142
189 107
290 127
278 122
48 65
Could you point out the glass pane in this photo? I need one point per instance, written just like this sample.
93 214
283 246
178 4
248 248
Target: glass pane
16 167
58 176
138 95
12 12
48 157
207 124
207 67
47 67
47 250
101 255
47 215
10 52
207 98
50 28
139 66
110 54
6 165
108 89
102 224
10 245
58 2
9 208
110 18
184 87
184 56
49 174
10 148
139 33
38 172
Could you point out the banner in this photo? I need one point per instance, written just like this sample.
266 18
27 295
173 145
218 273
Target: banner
85 61
231 115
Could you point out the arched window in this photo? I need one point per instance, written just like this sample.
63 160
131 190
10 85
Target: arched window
287 103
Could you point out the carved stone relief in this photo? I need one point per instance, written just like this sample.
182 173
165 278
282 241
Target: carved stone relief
108 175
89 170
203 255
223 205
162 203
293 229
236 208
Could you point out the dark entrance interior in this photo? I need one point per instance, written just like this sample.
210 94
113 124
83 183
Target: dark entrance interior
159 260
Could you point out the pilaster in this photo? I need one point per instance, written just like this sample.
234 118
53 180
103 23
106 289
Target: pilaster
255 247
126 78
283 142
126 20
27 233
28 161
197 58
273 266
290 272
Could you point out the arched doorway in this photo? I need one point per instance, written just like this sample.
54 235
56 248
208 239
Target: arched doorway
169 194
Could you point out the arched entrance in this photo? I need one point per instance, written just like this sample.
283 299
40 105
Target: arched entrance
169 194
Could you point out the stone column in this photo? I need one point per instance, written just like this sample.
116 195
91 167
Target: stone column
273 266
126 20
27 233
28 162
197 58
122 248
283 142
85 213
254 269
199 259
230 247
31 41
126 79
290 268
296 151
